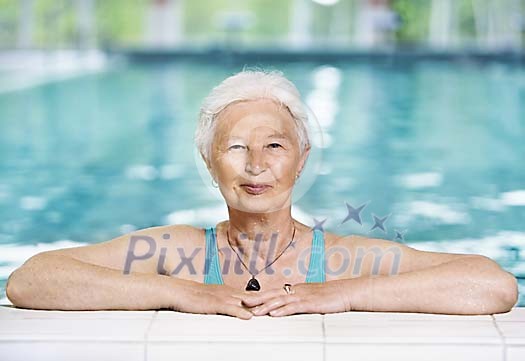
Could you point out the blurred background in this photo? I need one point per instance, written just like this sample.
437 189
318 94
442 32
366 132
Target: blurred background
420 109
445 24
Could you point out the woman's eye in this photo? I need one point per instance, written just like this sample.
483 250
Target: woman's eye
274 145
237 146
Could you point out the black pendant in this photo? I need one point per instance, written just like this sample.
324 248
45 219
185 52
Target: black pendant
253 285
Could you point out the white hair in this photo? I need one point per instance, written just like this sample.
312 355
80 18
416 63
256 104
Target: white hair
250 85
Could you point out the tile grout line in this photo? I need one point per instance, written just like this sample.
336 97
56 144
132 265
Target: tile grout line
146 335
324 338
504 344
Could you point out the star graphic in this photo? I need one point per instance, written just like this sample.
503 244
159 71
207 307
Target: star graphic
354 213
379 222
400 236
319 224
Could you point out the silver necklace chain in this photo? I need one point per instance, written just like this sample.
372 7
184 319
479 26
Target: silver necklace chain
253 275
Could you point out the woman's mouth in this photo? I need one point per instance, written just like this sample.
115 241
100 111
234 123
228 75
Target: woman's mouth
255 188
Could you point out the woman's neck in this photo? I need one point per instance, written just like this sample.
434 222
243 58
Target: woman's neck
265 234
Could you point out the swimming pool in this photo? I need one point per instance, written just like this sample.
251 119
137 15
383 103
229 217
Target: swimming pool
436 146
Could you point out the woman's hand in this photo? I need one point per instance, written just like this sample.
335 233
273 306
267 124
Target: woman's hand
328 297
194 297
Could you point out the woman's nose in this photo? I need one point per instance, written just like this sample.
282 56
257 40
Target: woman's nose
255 162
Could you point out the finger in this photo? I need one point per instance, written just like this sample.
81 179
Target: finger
237 302
252 296
236 311
243 294
286 310
252 300
273 304
297 307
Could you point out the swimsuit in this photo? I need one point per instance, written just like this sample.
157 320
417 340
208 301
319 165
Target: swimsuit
316 269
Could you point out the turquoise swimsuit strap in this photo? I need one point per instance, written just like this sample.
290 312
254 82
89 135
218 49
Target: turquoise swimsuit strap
212 273
316 269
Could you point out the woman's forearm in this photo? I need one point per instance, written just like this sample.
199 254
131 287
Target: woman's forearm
470 285
58 282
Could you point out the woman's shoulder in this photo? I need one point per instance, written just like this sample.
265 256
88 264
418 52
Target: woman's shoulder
355 240
178 233
352 241
333 239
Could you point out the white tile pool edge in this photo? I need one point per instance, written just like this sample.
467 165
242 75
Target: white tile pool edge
163 335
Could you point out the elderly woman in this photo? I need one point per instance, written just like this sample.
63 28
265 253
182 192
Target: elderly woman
253 137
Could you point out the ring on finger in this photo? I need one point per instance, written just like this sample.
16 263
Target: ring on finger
288 288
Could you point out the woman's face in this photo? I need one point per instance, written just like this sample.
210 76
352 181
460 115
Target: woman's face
255 155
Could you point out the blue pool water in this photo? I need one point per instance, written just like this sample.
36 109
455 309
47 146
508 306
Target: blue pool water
439 147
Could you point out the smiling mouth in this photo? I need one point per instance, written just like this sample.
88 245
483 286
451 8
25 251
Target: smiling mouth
255 188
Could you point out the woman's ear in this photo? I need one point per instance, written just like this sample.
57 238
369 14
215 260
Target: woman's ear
208 165
304 157
205 161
